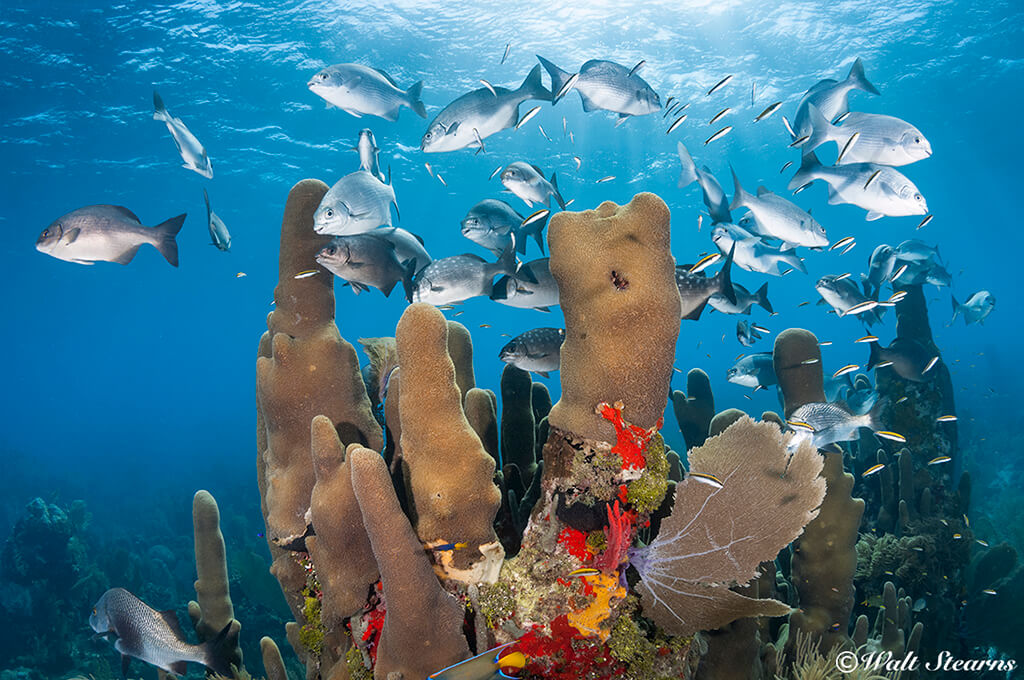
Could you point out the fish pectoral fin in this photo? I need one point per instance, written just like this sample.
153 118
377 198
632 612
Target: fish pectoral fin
544 374
178 668
77 261
873 215
353 112
359 287
70 235
695 314
452 129
124 258
543 309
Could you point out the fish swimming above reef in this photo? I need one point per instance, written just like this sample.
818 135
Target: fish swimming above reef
695 289
834 422
775 217
460 277
361 90
191 150
714 195
365 260
747 333
976 309
155 637
494 224
881 265
538 350
744 300
369 153
846 298
605 86
884 140
518 291
477 115
219 235
408 246
831 97
753 254
879 189
107 233
911 273
754 370
527 182
908 358
356 203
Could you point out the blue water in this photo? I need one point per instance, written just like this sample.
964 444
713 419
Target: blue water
121 382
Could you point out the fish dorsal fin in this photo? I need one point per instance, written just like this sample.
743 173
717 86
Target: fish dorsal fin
539 171
418 238
762 190
171 619
125 212
387 77
473 256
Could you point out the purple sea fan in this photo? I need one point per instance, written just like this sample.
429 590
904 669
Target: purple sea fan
718 534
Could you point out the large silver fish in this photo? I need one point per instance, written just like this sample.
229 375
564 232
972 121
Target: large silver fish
107 233
155 637
369 154
365 260
908 358
358 202
744 300
527 182
831 97
695 289
459 277
976 309
605 85
538 350
880 139
753 254
846 298
477 115
519 291
879 189
714 195
191 150
360 90
219 235
776 217
754 370
835 422
494 224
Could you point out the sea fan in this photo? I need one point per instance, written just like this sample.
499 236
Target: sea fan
745 500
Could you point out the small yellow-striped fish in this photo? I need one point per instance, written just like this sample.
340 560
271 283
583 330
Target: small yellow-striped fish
846 147
585 571
607 178
883 364
867 338
788 163
980 542
800 140
848 368
946 419
705 262
240 275
718 116
873 469
533 217
897 296
490 88
802 187
931 364
865 306
925 221
718 135
674 125
440 179
810 362
485 325
989 591
705 478
569 84
872 178
824 343
578 161
899 272
772 108
529 114
800 425
841 242
893 436
719 85
306 274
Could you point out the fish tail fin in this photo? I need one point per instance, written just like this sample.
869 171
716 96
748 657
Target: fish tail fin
533 86
739 196
165 234
206 198
858 79
724 277
874 414
956 309
506 264
415 103
874 356
808 171
821 129
159 110
761 297
557 195
688 173
790 257
500 289
221 649
536 230
558 76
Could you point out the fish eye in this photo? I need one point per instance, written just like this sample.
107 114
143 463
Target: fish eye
331 250
323 75
94 611
917 140
917 197
46 232
329 212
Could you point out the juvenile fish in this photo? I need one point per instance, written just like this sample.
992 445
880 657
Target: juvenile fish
191 150
361 90
219 235
538 350
107 233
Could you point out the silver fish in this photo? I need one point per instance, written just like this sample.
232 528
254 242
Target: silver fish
361 90
831 97
607 86
107 233
191 150
538 350
835 422
880 268
884 140
976 309
908 358
408 246
459 277
480 111
356 203
365 260
156 637
519 291
219 235
744 300
753 254
846 298
695 289
714 195
745 334
754 370
527 182
914 250
890 194
494 224
776 217
369 154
